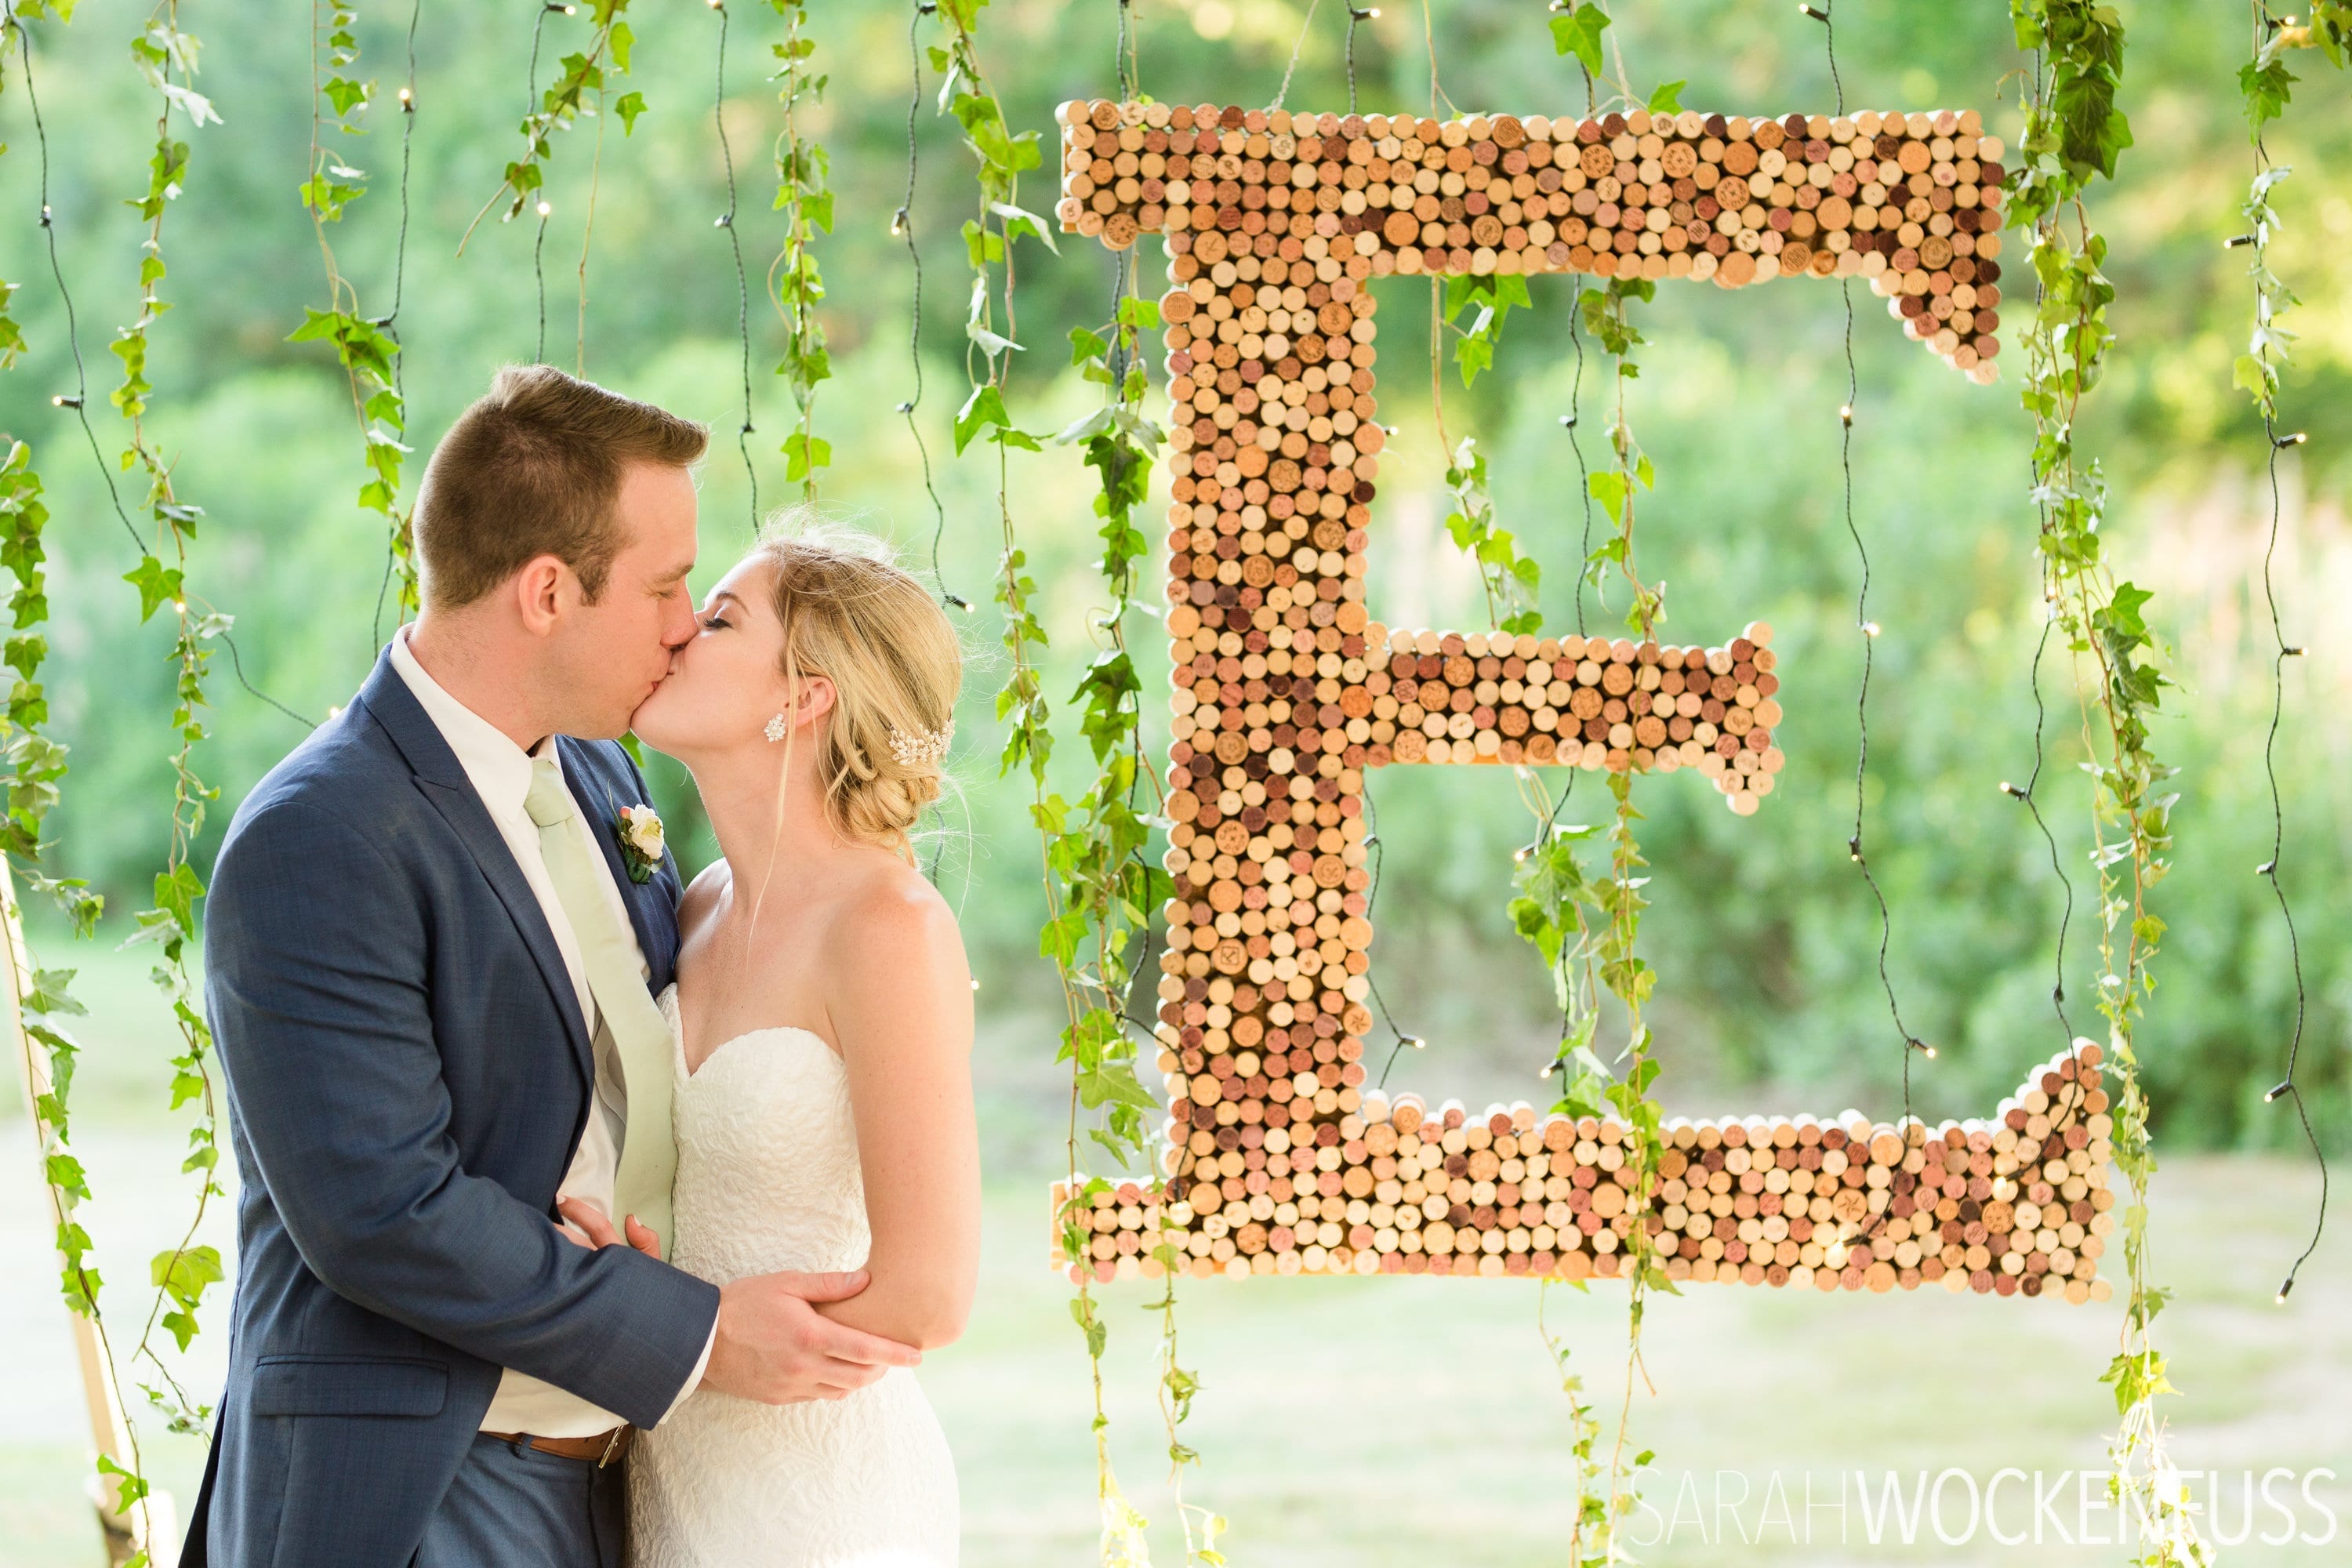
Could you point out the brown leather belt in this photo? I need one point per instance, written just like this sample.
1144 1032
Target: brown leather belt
605 1448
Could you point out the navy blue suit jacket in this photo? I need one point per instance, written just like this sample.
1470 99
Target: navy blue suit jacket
408 1076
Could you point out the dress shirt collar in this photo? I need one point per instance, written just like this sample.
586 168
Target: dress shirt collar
498 770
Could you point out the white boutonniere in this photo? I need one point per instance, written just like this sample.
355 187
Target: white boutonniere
639 830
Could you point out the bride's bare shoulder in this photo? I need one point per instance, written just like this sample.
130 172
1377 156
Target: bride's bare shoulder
894 921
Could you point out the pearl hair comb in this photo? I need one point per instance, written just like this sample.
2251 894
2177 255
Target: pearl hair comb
920 748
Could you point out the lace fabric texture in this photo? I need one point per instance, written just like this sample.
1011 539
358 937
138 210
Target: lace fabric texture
768 1179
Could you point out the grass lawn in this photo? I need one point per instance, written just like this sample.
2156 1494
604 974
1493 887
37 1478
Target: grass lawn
1412 1421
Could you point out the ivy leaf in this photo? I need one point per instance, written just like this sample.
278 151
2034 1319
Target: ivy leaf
628 105
1087 426
1579 33
1018 222
1096 1332
157 584
345 95
1608 487
1112 1083
1668 98
132 1487
805 453
984 406
991 343
2267 88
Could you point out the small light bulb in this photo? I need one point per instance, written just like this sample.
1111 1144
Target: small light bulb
1870 628
1845 413
65 400
723 220
407 98
899 224
545 208
179 606
975 985
2297 439
334 712
2280 1091
2281 1297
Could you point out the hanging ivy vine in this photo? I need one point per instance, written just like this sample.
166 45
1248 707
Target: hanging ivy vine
35 767
1097 884
795 284
166 56
559 106
2073 134
364 346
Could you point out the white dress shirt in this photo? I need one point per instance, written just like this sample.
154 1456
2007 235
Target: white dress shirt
499 772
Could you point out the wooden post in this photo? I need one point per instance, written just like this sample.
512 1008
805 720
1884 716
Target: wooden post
151 1526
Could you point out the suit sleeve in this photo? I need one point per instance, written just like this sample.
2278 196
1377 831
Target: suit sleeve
317 980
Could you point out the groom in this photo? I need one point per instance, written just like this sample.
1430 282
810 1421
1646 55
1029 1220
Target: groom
431 954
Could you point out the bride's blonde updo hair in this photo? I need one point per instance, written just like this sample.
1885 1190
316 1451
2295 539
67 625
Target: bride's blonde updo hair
851 613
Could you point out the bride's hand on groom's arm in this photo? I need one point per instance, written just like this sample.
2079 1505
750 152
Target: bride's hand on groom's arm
591 1229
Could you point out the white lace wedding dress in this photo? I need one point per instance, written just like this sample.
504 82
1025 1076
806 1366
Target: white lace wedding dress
768 1179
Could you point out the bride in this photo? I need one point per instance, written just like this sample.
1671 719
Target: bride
822 1014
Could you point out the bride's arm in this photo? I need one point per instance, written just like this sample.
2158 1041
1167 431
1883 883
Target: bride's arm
899 997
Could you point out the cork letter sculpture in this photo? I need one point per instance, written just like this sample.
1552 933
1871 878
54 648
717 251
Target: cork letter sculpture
1286 689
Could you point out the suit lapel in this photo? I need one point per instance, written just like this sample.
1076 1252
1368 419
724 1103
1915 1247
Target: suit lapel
651 916
443 781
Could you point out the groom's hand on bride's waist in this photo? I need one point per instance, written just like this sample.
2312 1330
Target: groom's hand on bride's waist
774 1346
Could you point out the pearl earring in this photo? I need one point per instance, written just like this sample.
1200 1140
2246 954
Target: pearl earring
775 731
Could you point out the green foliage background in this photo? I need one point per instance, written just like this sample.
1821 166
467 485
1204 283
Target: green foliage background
1763 935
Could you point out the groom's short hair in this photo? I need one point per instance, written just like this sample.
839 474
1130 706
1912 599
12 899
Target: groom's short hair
533 468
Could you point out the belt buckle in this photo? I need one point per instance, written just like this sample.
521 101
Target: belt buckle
610 1445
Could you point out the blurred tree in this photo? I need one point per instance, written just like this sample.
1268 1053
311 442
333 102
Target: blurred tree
1763 938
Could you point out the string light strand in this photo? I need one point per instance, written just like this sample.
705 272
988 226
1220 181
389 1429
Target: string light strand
903 226
742 280
2270 301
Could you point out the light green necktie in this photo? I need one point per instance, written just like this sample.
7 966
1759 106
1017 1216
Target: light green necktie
626 1017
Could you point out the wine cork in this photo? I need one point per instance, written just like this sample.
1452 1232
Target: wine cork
1912 204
